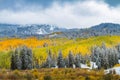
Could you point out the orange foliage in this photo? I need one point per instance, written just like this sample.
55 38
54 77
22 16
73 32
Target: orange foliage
13 43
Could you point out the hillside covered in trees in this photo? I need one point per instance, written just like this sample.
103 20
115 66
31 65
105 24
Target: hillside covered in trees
69 67
102 56
52 31
86 57
40 47
88 53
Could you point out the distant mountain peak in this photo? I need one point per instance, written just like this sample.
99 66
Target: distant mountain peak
38 30
8 30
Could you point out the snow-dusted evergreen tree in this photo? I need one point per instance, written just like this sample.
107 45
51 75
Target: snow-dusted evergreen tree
105 57
71 59
30 59
15 60
50 61
60 61
98 63
77 61
102 56
66 60
103 45
95 52
54 61
83 60
118 49
115 57
26 58
105 62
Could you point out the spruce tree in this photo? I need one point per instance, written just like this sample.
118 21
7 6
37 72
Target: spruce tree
66 60
60 61
71 59
77 61
30 59
15 60
12 62
26 58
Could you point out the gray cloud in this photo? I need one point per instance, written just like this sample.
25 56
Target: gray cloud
70 15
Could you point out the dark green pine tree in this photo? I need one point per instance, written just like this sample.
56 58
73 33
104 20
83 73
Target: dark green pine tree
12 62
48 62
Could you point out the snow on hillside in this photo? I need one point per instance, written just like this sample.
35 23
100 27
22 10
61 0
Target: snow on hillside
41 31
117 70
84 66
93 65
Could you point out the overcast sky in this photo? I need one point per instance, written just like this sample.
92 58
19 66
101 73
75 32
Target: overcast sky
63 13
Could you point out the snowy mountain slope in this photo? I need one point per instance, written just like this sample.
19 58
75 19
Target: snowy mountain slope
13 30
10 30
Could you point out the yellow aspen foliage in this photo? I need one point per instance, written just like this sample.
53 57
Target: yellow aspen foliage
41 46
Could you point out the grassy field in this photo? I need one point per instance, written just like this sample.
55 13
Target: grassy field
79 45
57 74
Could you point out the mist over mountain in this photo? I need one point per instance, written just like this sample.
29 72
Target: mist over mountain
46 30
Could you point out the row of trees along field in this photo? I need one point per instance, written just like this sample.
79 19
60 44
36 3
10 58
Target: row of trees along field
103 57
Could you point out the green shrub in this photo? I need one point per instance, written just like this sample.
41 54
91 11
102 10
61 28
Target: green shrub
47 77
